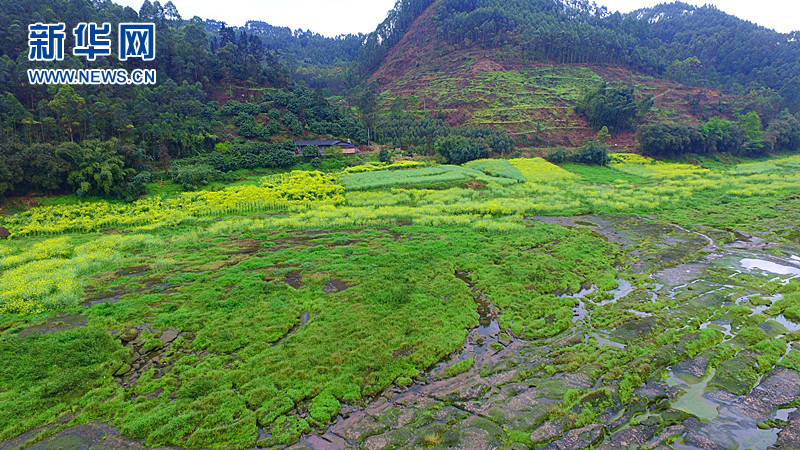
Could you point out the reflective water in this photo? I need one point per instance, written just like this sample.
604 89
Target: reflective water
791 326
601 341
724 425
579 312
769 266
783 414
621 291
720 325
693 401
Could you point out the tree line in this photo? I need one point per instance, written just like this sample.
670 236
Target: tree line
747 136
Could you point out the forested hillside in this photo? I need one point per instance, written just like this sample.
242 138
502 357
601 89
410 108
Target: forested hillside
106 140
435 75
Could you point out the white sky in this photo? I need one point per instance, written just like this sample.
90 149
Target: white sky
333 17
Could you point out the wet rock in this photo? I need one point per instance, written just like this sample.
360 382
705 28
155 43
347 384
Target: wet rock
577 380
321 443
579 438
414 399
749 242
169 335
789 436
694 439
521 412
546 432
779 387
629 438
652 391
129 335
680 274
132 271
496 434
56 324
448 413
90 435
379 442
379 407
569 341
620 421
335 285
693 436
695 367
405 417
476 438
294 279
358 427
633 330
660 440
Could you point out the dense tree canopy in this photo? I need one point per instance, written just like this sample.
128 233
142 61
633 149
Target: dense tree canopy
745 137
613 108
136 128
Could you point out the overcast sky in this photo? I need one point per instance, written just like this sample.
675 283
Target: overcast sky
334 17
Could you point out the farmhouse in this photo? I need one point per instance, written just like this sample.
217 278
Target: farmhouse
348 148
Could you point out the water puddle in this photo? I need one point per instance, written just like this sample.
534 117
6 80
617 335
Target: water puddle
693 401
491 329
735 431
783 414
639 313
623 289
788 350
720 325
488 330
791 326
579 312
741 299
769 266
601 341
724 423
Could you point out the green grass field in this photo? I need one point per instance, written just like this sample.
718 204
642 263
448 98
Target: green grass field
251 314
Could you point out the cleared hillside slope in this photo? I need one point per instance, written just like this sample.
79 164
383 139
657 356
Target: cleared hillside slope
534 101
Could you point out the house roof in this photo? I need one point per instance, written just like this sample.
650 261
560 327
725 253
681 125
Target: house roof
325 143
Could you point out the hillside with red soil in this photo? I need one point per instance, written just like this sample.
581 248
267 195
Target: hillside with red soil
534 102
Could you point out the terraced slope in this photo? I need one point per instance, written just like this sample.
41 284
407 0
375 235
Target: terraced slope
534 102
